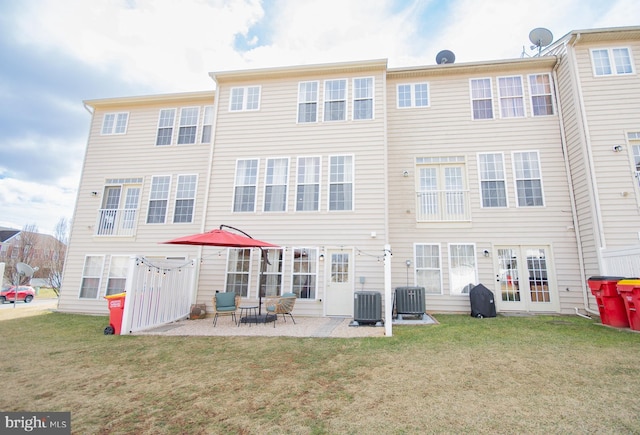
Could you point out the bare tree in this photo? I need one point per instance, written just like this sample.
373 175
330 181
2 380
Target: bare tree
22 250
56 255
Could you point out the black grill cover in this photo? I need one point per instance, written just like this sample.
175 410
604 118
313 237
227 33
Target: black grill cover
482 302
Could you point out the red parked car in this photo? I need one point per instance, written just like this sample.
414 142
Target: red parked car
25 293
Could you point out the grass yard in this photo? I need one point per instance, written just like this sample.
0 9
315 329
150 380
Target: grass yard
543 374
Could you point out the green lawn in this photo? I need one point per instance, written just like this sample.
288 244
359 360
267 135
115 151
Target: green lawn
544 374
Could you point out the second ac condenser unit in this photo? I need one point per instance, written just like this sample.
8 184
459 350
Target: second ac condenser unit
410 300
367 307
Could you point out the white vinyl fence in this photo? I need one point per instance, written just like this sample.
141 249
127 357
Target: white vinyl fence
159 291
621 262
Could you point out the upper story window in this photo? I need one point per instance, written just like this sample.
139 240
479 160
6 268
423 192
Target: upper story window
441 189
492 180
158 199
528 179
363 98
611 61
335 100
511 97
115 123
413 95
275 186
308 184
307 102
244 197
481 98
185 198
118 215
207 123
188 125
341 183
165 127
246 98
541 94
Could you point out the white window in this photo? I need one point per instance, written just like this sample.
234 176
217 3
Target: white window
441 192
611 61
541 94
165 127
247 98
244 197
492 180
307 102
308 184
481 98
117 278
363 98
158 199
511 97
188 125
635 149
275 184
207 123
428 268
304 272
238 271
115 123
528 179
91 276
341 183
185 198
335 100
462 268
413 95
271 284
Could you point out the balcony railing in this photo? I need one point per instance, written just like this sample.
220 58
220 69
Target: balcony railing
443 206
116 222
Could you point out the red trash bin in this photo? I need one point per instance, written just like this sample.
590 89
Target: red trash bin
610 303
116 310
629 290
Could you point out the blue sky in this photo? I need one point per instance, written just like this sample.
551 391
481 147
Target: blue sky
56 53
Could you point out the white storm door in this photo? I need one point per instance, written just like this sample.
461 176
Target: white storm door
339 291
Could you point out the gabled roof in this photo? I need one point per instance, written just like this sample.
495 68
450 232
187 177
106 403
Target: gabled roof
7 233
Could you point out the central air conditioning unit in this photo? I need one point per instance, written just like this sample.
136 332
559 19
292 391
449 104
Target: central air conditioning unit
367 308
410 301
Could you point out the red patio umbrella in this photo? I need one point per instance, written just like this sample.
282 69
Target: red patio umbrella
228 239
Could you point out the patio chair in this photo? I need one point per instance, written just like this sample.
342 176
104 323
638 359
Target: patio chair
281 305
225 304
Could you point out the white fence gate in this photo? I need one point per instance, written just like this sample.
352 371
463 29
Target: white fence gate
621 262
159 291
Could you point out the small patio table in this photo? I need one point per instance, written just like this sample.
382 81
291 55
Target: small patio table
245 312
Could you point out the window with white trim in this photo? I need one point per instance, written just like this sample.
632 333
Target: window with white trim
526 166
634 142
272 276
363 98
245 189
541 94
91 276
511 97
275 184
335 100
493 185
158 199
304 273
238 271
413 95
611 61
481 98
185 198
114 123
246 98
462 268
188 125
308 184
441 191
166 121
207 124
117 277
341 182
428 267
307 102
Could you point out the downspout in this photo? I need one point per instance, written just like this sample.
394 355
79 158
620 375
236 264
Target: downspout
574 213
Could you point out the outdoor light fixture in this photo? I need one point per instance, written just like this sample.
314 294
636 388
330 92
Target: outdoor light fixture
617 148
94 193
485 252
321 258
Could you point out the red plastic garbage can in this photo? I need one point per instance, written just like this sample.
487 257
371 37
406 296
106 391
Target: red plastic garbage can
629 290
610 303
116 310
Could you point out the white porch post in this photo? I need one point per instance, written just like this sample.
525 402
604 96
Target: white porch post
388 308
127 314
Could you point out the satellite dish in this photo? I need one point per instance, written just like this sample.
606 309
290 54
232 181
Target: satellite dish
540 37
445 56
25 270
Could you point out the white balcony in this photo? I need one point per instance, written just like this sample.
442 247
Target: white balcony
117 222
443 206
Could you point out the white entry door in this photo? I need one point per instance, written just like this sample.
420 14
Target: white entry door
524 279
339 291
